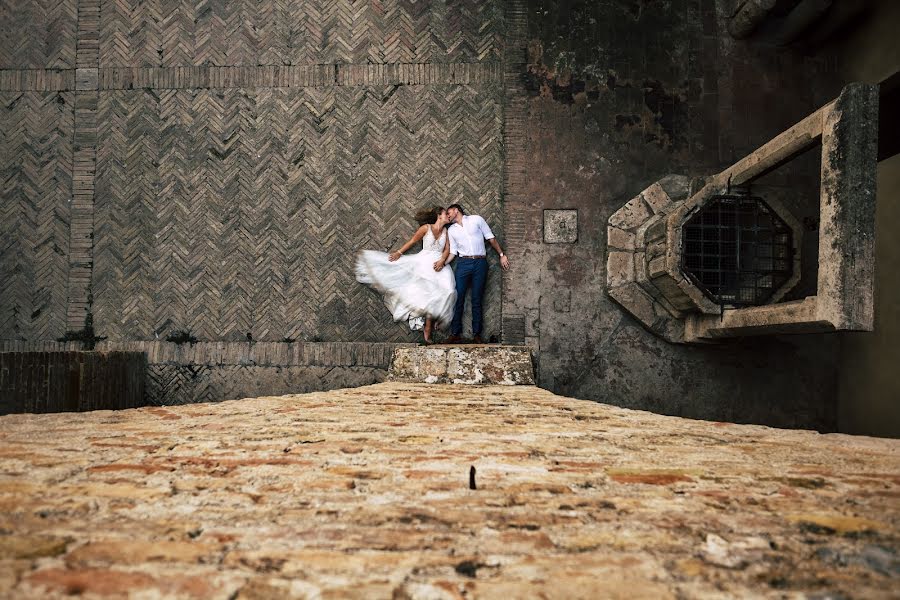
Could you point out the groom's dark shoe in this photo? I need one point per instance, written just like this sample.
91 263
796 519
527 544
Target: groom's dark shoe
477 340
453 339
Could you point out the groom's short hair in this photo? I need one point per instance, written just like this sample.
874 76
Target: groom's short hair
457 207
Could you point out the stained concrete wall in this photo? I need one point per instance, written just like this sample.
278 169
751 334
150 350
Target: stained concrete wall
616 95
869 390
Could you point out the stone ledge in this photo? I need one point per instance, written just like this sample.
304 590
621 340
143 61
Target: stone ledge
471 364
217 354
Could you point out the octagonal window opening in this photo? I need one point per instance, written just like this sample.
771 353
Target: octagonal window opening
737 250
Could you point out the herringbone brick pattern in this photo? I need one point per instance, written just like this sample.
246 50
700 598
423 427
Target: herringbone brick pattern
36 130
230 158
291 32
168 385
37 34
228 212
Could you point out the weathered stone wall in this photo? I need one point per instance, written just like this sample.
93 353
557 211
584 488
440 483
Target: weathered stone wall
207 171
612 96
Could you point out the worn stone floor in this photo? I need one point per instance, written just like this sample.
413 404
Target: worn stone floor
365 493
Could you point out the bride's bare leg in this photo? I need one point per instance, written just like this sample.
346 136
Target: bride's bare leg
428 327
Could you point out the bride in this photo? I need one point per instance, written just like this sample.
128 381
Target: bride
416 288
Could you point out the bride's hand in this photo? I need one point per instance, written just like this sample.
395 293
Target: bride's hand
393 256
439 265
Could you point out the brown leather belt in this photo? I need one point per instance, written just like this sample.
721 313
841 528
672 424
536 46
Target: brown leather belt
472 257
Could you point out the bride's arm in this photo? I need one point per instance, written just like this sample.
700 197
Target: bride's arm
417 237
446 257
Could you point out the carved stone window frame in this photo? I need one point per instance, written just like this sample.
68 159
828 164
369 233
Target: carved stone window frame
644 236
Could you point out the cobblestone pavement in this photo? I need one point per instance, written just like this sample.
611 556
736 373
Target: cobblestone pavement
366 493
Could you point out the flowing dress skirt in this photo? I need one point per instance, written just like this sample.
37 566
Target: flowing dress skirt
412 289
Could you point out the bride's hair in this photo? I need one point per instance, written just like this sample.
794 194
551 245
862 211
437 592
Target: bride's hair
429 216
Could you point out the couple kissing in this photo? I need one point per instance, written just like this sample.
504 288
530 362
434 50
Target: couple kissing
419 288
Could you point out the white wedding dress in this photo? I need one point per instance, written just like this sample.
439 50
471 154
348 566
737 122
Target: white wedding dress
412 289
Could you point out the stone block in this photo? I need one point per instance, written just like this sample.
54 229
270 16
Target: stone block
656 250
637 301
473 365
657 198
632 215
620 268
560 226
676 187
656 266
619 239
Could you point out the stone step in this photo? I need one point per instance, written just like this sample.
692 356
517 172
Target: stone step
481 364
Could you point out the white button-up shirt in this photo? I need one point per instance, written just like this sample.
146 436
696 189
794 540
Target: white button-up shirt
468 239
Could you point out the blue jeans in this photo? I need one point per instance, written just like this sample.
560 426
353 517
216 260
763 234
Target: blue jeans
470 272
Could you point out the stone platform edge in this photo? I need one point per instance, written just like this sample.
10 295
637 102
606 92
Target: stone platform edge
486 364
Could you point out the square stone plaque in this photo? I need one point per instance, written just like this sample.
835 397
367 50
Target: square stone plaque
560 226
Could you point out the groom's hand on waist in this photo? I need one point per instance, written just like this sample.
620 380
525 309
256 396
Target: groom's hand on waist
439 265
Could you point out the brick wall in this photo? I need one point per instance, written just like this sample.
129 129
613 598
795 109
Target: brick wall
208 171
73 381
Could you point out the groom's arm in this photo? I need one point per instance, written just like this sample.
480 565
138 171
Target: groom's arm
492 240
504 260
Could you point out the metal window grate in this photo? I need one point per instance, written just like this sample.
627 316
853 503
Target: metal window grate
737 250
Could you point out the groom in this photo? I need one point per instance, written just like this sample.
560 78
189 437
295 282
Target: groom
467 235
